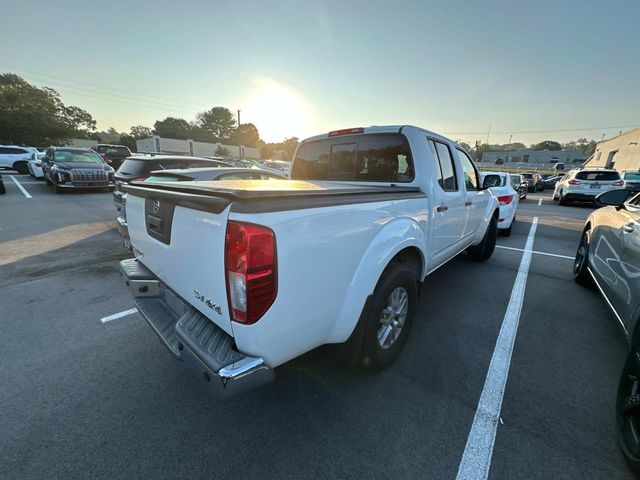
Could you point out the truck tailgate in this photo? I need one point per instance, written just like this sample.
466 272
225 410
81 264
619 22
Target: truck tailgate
184 248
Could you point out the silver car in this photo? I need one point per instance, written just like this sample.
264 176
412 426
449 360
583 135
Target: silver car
609 258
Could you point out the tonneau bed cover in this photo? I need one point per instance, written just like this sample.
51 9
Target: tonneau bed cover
257 196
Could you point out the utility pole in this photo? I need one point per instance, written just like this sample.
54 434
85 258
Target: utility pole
488 133
239 138
603 135
508 148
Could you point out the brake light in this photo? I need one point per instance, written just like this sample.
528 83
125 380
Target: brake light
505 199
38 164
574 182
619 183
251 271
346 131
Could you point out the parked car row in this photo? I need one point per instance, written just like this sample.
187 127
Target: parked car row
608 258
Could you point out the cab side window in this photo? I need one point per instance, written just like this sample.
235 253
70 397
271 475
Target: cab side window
444 166
471 177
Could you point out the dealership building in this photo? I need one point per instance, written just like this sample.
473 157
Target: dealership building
621 152
538 158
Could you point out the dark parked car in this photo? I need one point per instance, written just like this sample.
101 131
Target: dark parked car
609 256
550 182
139 167
534 181
195 174
519 184
73 168
114 155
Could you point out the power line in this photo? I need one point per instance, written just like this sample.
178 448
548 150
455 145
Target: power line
542 131
103 87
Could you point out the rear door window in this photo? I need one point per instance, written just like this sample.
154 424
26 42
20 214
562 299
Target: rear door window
599 176
445 168
383 157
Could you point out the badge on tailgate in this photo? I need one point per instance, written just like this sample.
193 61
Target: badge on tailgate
207 302
159 217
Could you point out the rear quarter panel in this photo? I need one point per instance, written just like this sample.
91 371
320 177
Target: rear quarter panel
329 261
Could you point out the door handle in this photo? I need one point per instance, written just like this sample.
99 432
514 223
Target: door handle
467 204
628 228
442 208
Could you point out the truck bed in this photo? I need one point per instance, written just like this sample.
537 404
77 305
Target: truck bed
256 196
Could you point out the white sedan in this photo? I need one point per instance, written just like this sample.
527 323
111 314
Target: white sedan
508 198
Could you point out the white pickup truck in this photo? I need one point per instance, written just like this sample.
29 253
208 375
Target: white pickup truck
238 277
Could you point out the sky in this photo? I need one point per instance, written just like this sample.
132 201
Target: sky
527 70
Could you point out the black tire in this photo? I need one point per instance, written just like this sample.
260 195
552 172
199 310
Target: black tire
506 232
397 277
628 409
561 199
485 248
48 182
581 273
21 167
2 189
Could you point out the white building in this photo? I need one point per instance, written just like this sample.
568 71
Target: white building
621 152
158 144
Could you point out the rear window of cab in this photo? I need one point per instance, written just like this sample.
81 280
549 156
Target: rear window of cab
373 157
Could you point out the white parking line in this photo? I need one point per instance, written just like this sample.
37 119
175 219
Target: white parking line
539 201
476 459
26 194
116 316
536 252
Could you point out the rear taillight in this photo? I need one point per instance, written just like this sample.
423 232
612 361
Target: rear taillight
38 164
251 273
505 199
619 183
138 179
574 182
345 131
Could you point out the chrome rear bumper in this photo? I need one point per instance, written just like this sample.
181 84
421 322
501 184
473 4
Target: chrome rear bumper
192 337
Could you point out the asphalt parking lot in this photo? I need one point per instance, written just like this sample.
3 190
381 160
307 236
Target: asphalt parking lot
84 398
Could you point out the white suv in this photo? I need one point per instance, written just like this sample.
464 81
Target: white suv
584 185
17 157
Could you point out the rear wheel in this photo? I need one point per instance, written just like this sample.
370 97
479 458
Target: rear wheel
506 232
47 181
561 199
485 248
389 316
21 167
580 265
2 189
628 409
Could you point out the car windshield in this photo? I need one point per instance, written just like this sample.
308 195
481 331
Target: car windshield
632 176
598 175
81 156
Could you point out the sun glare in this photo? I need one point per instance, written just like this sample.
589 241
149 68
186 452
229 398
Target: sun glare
277 111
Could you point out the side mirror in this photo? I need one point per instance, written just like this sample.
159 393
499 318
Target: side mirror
491 181
614 198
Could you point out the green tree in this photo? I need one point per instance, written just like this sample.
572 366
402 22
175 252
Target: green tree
140 131
219 122
37 116
267 150
172 127
222 151
289 146
547 145
248 133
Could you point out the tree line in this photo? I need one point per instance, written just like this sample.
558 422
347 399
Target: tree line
37 117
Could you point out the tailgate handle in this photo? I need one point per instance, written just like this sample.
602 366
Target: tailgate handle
154 223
